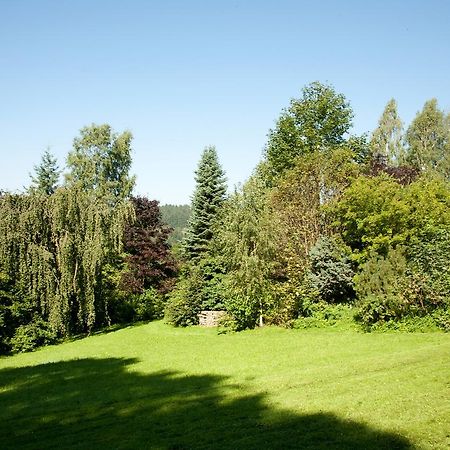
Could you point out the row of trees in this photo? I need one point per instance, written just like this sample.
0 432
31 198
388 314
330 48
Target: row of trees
81 254
326 218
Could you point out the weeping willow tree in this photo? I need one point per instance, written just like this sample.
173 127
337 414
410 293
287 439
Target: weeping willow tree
53 249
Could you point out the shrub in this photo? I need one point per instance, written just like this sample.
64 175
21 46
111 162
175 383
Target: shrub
185 301
33 335
149 305
324 315
379 275
375 309
331 273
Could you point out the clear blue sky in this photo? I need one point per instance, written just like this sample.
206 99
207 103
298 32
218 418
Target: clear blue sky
185 74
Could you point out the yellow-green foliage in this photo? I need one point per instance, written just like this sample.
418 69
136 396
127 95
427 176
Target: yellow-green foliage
53 248
377 213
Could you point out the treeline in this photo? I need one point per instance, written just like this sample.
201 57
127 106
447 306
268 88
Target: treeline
177 217
327 219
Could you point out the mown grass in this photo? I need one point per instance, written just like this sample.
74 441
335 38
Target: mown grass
154 386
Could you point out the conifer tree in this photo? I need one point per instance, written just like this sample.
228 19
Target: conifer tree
208 197
387 139
46 176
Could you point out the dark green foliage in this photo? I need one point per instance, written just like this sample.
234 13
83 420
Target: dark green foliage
374 309
208 197
177 217
199 288
331 272
46 176
317 122
128 308
7 325
319 314
379 275
32 335
149 305
393 288
185 300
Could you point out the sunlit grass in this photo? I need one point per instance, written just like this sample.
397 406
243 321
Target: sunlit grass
154 386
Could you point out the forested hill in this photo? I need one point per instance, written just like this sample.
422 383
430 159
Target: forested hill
177 217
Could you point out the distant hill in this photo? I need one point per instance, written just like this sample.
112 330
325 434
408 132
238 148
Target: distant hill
177 217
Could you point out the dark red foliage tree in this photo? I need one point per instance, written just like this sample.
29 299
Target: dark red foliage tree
404 175
148 258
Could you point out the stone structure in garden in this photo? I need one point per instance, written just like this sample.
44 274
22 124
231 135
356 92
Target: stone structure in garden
210 318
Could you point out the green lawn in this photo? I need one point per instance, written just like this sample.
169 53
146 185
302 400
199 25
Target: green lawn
154 386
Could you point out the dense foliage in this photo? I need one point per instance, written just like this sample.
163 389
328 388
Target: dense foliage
316 122
53 248
64 250
328 225
46 175
148 259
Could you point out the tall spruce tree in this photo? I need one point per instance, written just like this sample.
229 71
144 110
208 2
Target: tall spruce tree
387 139
208 197
46 175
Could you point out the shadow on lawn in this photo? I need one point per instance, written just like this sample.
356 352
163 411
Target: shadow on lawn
102 403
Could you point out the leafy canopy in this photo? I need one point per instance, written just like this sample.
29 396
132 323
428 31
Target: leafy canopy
100 161
316 122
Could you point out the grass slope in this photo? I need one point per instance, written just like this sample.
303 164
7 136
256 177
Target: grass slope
153 386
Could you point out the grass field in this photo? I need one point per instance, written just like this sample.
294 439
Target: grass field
153 386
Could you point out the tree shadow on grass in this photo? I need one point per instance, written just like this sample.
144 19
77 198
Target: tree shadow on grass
103 403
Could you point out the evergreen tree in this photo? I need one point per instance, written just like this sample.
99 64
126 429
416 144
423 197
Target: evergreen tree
428 139
387 139
46 175
208 197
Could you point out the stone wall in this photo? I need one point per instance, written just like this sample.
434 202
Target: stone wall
210 318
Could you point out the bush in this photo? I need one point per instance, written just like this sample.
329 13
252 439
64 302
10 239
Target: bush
393 289
437 320
148 306
185 301
33 335
375 309
200 287
324 315
379 275
331 273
